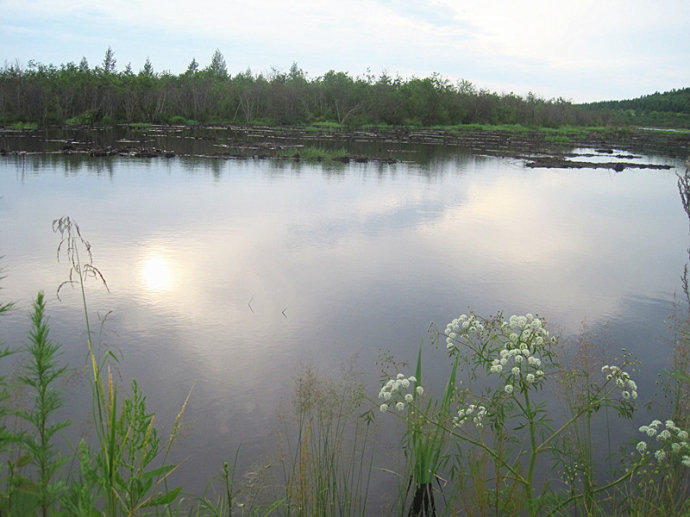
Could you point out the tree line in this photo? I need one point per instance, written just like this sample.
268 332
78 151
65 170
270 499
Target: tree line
77 93
670 109
674 101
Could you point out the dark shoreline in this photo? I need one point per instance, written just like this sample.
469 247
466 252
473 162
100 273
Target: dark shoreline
538 147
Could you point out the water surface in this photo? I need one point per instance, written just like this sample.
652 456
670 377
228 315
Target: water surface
229 276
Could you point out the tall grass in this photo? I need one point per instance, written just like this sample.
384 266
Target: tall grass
127 460
327 448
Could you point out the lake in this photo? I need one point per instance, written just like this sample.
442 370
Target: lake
230 276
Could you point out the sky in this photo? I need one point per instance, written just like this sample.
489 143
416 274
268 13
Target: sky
582 50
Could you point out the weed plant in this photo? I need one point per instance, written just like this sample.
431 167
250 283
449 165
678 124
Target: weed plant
38 443
491 433
313 154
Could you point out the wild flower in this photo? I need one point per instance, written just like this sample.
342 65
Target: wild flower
622 380
672 440
395 392
459 327
664 435
651 431
524 339
476 412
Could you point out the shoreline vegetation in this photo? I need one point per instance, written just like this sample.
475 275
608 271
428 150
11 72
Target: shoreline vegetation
40 95
334 144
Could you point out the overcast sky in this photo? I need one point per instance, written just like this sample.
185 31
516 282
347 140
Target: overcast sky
582 50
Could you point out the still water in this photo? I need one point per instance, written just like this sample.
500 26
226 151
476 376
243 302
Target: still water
230 276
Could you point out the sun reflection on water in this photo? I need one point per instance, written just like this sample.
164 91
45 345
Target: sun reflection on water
156 274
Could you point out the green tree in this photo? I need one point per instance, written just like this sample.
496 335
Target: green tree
218 69
148 68
193 67
109 61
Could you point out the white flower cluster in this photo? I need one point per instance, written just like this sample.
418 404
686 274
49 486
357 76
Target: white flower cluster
473 411
623 381
397 393
673 439
518 361
463 324
525 330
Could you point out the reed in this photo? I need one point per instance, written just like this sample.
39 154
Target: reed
128 473
327 447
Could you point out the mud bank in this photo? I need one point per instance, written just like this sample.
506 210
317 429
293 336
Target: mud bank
538 148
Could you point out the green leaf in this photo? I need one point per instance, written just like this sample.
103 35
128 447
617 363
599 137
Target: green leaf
166 498
160 471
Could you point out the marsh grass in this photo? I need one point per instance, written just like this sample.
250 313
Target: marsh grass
319 126
178 120
88 117
327 447
25 126
313 154
558 139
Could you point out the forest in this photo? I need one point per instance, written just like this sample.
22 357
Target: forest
48 95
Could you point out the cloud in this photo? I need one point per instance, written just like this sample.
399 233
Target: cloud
567 34
583 49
